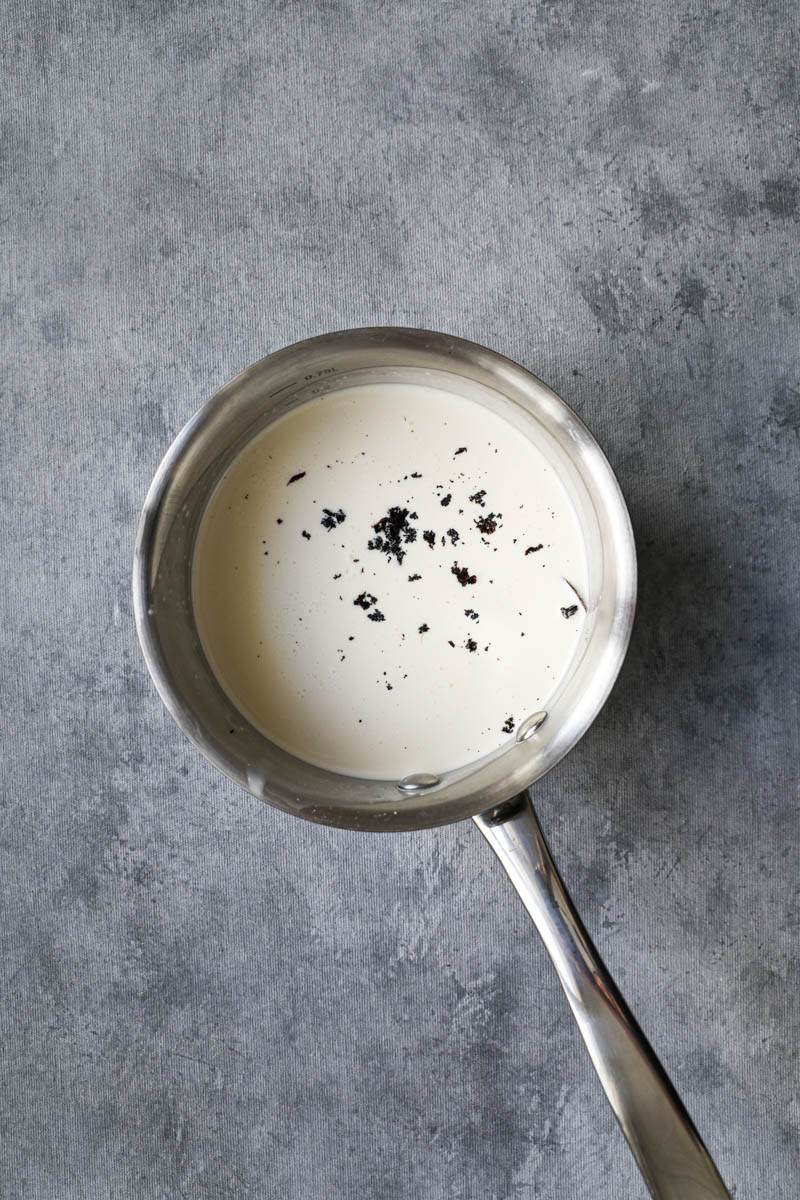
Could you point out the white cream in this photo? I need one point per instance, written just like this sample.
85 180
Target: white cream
315 671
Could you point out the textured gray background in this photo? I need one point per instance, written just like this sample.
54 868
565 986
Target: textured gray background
203 997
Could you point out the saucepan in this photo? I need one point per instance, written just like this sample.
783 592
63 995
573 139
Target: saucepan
493 791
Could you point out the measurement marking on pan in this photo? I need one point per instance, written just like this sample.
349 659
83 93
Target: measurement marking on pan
319 374
306 379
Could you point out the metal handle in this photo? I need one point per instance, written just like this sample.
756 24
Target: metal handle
659 1131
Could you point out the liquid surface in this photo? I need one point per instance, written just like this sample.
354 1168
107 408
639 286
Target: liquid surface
380 581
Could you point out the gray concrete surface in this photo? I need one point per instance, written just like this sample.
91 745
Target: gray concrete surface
201 996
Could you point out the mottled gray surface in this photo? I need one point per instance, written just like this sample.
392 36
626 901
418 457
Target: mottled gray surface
203 997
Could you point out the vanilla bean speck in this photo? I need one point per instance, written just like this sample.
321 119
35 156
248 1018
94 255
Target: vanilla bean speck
332 518
462 575
393 531
365 600
488 524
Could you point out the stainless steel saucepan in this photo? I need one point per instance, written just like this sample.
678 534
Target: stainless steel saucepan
494 790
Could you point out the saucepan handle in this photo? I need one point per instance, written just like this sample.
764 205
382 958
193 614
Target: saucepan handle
659 1131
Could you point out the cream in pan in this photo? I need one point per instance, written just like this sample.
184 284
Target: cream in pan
386 580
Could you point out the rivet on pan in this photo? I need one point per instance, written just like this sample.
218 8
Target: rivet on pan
417 783
530 725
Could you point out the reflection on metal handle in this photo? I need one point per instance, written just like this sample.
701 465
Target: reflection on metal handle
667 1147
